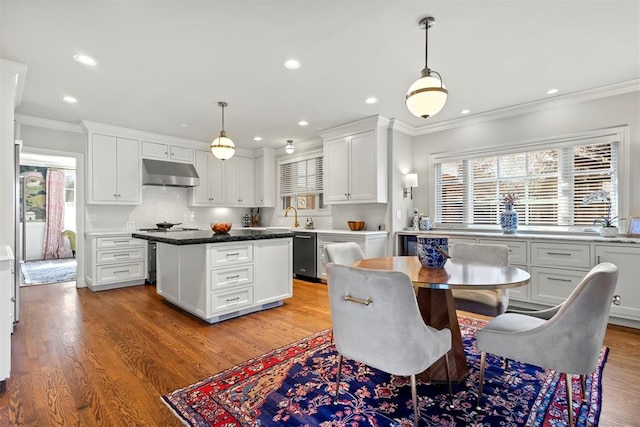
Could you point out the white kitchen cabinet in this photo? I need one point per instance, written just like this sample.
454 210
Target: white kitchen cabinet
115 260
221 281
6 313
164 151
238 176
373 245
265 177
210 192
355 163
114 171
627 258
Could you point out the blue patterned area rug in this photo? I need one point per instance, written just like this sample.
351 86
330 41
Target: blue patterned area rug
50 271
294 386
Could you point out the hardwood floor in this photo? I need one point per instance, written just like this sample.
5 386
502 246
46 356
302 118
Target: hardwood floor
96 359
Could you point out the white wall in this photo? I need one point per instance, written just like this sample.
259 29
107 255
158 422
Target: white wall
601 113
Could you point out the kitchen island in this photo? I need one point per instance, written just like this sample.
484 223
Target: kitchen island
221 276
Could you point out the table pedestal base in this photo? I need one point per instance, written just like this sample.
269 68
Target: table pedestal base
438 310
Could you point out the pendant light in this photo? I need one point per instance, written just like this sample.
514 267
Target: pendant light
427 95
223 147
289 147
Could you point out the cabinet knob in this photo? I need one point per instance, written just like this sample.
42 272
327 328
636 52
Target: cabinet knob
616 300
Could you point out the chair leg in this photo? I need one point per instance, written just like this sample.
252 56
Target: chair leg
335 399
583 385
483 358
414 398
567 378
446 361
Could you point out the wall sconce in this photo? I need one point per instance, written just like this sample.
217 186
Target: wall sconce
410 180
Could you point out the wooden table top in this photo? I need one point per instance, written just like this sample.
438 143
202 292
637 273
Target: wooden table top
454 274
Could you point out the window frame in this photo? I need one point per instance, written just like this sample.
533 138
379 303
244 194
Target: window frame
298 157
619 133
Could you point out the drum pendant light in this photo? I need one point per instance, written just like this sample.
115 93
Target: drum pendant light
427 95
223 147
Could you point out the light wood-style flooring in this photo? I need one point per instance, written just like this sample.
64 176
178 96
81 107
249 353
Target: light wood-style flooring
97 359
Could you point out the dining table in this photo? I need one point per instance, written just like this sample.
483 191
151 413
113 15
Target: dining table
435 299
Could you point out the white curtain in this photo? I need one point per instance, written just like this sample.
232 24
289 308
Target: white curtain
54 245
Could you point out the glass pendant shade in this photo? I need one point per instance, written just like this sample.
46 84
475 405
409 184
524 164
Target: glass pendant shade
426 96
289 147
222 147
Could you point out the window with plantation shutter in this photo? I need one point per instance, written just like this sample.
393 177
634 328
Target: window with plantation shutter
552 181
301 184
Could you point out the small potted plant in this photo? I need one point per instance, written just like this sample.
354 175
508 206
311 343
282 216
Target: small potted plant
606 221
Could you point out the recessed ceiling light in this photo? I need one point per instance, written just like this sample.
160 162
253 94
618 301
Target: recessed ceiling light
257 138
292 64
552 91
69 99
303 123
84 59
371 100
185 125
465 111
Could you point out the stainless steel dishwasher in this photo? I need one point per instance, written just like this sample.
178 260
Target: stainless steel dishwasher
304 254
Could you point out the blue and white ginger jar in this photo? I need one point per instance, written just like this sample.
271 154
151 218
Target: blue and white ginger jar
509 219
433 251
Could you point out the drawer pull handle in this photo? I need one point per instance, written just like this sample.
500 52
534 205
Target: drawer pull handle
558 280
233 254
237 299
558 253
367 301
237 276
121 255
616 300
121 271
120 242
303 237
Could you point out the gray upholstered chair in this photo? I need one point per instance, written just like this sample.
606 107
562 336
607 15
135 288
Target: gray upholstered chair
376 321
569 342
344 253
490 302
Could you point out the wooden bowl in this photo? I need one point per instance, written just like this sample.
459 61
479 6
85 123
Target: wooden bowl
355 225
221 227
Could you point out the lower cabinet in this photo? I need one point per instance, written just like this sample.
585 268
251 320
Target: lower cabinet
558 264
372 245
6 313
220 281
115 260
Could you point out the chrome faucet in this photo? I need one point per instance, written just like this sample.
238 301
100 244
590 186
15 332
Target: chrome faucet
286 213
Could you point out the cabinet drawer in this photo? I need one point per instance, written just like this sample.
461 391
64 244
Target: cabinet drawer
231 300
105 256
561 255
521 293
120 272
223 255
554 285
517 249
118 242
241 275
329 239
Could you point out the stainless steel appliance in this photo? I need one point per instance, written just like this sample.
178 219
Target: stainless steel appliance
304 254
152 248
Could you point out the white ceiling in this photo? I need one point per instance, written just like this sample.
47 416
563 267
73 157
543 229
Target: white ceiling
162 63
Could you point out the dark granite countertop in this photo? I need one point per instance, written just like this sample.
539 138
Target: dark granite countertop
203 236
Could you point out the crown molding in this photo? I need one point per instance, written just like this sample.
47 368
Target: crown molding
19 71
362 125
534 106
400 126
24 119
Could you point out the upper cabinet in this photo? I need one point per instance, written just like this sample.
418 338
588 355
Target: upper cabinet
114 170
265 177
238 174
210 192
163 151
355 162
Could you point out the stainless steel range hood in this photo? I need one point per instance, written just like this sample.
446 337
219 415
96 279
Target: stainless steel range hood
171 174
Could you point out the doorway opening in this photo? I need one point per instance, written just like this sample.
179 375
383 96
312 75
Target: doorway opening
47 218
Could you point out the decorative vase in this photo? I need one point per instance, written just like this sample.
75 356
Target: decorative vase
425 223
509 219
433 252
610 231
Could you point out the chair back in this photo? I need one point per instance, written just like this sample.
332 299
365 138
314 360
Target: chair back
344 253
376 321
581 322
480 253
